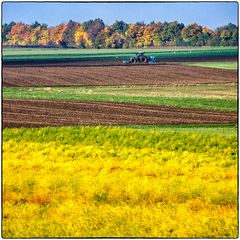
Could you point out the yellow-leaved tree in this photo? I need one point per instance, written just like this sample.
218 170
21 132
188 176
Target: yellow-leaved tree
81 37
44 38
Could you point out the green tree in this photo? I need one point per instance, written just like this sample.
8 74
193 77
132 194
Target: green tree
119 26
35 25
196 35
6 28
174 33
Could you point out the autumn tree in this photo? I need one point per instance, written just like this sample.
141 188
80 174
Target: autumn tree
93 27
117 40
19 35
196 35
44 39
81 38
226 36
68 37
206 36
148 35
151 35
35 35
131 35
106 37
95 34
56 34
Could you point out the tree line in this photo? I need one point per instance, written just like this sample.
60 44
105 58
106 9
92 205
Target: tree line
95 34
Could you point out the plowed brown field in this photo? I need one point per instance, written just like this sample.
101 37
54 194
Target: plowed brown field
113 75
39 113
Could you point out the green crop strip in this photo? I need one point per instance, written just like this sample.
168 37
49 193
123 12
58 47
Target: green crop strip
125 136
64 94
223 65
24 54
222 130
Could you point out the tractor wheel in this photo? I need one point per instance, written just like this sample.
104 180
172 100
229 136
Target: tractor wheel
133 60
143 60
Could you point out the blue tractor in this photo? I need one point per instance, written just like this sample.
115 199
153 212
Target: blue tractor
140 58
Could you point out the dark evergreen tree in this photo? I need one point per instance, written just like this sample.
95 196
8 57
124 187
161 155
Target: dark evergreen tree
119 26
6 28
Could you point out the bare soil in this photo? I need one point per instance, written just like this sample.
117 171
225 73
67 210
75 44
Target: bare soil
40 113
160 74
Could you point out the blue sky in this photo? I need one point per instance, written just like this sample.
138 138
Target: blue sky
209 14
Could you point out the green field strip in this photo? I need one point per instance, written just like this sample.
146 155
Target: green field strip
20 50
88 134
217 129
49 51
213 129
228 105
75 54
222 65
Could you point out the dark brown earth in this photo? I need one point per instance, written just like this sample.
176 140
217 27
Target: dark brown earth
85 62
39 113
164 74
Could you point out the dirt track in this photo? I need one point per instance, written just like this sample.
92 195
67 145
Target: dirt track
39 113
114 75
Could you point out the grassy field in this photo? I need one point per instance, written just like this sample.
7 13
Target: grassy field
119 182
202 96
222 65
46 53
221 130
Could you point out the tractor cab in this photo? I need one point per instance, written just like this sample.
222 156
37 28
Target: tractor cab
139 54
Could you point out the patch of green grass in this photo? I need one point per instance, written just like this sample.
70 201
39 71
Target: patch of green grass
69 93
216 129
223 65
44 53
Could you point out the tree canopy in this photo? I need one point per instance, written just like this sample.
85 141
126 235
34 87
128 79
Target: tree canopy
95 34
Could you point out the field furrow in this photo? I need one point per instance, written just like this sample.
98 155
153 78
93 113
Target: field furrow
67 113
114 75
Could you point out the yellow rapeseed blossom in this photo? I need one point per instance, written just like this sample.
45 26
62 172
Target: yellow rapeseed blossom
117 182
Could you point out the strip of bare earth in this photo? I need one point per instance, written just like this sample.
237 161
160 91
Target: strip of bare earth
39 113
168 74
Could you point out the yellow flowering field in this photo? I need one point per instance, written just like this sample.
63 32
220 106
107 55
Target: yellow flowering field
118 182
